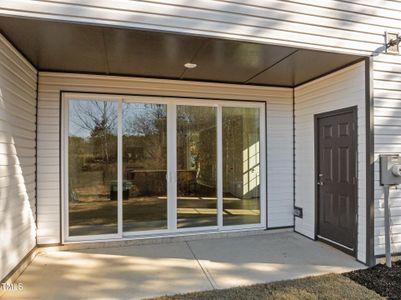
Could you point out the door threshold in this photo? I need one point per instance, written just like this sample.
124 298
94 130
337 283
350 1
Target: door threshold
161 239
336 245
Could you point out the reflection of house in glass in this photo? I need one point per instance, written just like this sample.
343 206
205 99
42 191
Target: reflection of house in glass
251 169
241 166
196 166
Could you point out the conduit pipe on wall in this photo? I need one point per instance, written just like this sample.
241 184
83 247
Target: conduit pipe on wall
390 175
386 189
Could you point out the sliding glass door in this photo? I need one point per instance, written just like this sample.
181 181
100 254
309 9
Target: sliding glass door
92 167
147 165
144 166
241 165
196 166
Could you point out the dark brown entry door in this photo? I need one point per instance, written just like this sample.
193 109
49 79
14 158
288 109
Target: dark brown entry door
336 177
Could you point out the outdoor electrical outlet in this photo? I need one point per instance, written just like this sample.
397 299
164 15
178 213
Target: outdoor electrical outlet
298 212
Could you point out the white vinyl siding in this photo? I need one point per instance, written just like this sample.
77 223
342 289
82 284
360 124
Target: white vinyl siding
344 88
279 135
351 26
280 199
17 157
387 119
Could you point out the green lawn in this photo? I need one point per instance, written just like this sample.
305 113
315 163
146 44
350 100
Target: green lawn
330 286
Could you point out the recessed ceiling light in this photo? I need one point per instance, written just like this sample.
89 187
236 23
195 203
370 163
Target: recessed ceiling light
190 65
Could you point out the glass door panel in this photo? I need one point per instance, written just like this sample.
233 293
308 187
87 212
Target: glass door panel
196 166
241 158
144 166
145 142
92 168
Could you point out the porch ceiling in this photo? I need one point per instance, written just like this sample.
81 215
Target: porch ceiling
67 47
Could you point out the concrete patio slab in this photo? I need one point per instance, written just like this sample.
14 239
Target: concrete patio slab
135 272
250 260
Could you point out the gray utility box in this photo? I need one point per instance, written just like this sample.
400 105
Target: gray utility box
390 169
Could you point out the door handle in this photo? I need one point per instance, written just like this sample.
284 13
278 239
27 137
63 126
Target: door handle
320 182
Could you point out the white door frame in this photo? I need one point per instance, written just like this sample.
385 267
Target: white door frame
171 103
65 98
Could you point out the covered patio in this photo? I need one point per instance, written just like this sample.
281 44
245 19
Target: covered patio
162 163
158 267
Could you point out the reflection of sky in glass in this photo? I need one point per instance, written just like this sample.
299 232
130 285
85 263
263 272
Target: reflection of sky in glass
83 115
138 118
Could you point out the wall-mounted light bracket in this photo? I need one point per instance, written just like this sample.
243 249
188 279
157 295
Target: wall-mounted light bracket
393 41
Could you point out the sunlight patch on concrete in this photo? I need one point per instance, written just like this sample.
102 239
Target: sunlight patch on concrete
135 272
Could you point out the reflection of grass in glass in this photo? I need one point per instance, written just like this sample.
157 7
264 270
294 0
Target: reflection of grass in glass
237 211
138 209
95 208
93 213
233 202
142 209
89 186
86 179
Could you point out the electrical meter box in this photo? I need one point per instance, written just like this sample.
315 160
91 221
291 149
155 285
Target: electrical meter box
390 169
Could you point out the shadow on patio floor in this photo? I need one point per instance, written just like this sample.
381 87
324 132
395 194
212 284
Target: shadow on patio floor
134 272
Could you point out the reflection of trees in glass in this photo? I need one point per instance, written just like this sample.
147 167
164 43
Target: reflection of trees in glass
145 136
144 119
196 141
92 142
77 147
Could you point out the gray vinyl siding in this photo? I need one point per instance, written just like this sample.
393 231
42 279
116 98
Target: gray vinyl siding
346 26
344 88
17 157
278 131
